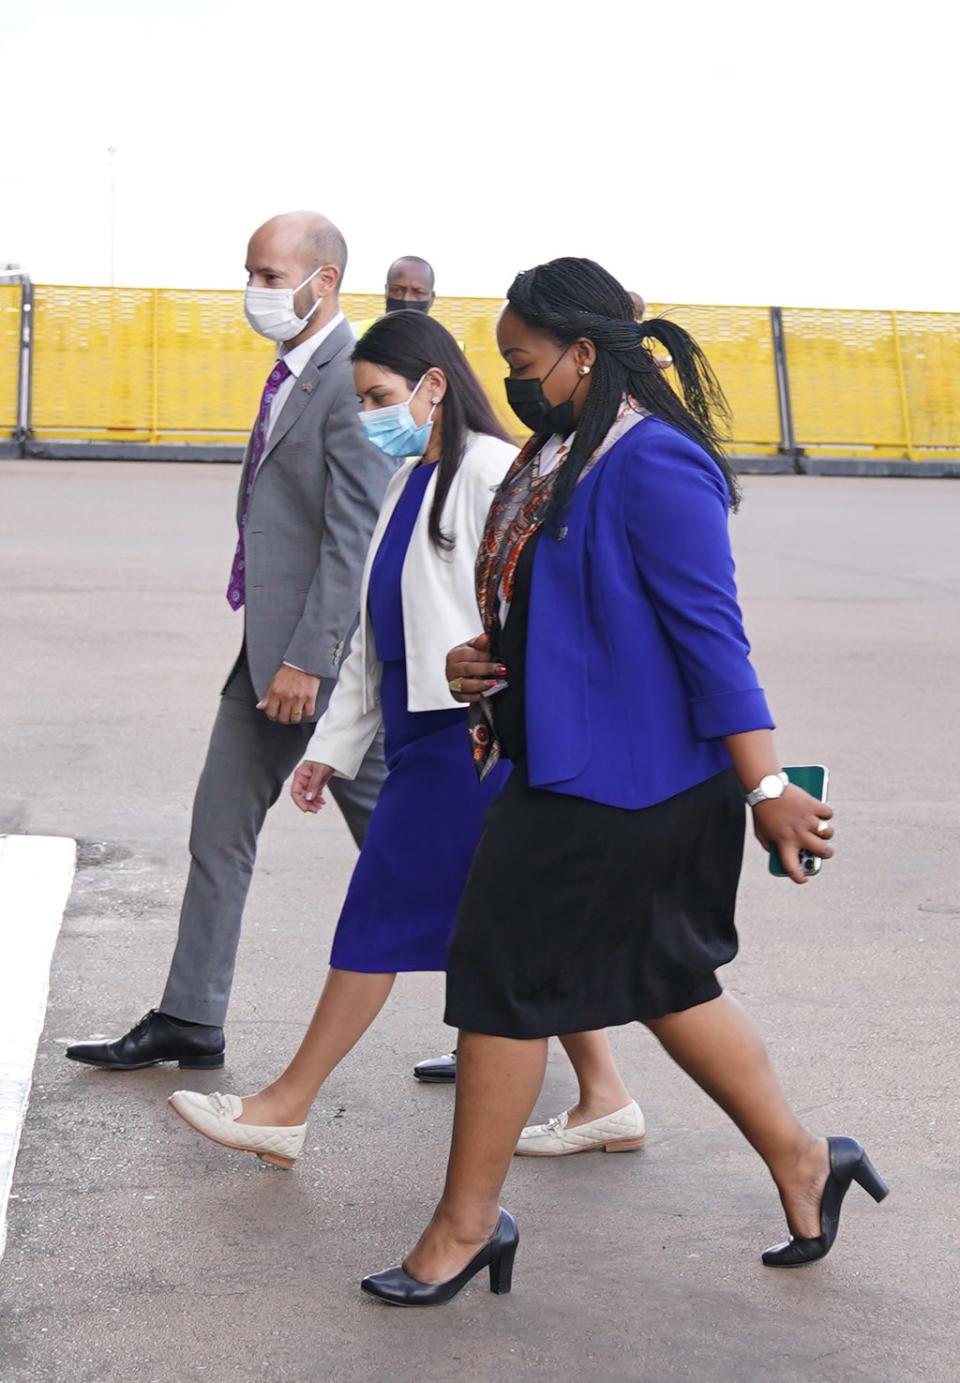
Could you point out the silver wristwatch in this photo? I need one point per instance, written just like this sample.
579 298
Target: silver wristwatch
772 785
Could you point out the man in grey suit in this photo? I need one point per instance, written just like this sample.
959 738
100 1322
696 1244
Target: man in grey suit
310 491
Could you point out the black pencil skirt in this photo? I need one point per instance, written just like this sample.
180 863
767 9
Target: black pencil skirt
578 915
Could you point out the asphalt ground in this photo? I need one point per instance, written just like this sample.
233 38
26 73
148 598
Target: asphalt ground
138 1251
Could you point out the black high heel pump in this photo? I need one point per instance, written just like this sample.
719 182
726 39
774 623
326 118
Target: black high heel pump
400 1289
848 1163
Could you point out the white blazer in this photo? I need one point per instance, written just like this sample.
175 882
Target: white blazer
439 596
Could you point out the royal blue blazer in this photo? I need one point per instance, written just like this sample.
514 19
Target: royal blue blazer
637 660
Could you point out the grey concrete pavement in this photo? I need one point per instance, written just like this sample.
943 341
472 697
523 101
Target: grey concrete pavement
139 1252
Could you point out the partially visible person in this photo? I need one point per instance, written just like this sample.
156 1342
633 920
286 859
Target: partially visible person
640 314
409 286
604 887
420 400
310 490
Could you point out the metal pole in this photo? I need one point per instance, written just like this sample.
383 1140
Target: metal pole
112 192
155 366
902 386
25 365
788 442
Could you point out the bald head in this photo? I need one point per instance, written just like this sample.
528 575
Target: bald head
639 306
303 238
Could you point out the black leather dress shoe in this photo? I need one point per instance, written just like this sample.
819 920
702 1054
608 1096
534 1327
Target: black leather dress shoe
155 1038
439 1070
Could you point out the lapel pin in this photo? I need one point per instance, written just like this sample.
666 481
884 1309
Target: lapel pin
306 386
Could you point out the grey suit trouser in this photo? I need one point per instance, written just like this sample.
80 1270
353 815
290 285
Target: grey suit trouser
248 761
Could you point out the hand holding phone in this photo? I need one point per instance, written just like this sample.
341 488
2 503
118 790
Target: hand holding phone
796 829
494 689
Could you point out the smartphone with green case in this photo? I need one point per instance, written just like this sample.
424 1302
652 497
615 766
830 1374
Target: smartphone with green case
815 779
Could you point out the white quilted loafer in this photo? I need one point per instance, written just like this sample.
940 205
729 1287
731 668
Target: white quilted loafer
216 1115
622 1131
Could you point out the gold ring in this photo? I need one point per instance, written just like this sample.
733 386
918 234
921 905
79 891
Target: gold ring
456 686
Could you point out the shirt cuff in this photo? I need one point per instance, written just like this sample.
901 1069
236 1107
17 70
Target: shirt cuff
295 668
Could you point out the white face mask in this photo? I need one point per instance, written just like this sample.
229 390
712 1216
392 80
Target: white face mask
270 310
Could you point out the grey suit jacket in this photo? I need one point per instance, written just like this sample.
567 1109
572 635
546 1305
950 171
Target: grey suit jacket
315 501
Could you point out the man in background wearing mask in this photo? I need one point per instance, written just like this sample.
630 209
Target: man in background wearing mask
409 285
310 491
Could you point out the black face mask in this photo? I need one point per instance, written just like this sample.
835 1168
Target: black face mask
401 304
533 408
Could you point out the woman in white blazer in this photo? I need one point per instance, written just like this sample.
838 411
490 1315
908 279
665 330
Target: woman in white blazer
420 400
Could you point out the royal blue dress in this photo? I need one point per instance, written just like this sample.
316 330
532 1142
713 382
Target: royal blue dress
403 898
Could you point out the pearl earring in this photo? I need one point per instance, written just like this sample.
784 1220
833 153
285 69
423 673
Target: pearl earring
584 369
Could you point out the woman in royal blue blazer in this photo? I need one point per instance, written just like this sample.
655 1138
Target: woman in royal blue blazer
604 886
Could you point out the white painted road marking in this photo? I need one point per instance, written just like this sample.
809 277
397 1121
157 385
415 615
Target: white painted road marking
36 874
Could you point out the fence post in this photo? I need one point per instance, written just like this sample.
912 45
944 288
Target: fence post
788 442
155 367
25 366
902 386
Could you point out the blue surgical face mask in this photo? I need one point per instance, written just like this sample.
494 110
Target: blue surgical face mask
394 431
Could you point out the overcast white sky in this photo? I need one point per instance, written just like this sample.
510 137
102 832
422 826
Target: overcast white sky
740 152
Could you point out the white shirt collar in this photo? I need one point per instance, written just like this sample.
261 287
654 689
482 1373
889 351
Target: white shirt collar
297 358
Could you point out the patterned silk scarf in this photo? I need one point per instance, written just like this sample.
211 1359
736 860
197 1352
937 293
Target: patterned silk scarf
519 508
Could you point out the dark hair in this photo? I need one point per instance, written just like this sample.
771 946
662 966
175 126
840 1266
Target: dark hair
409 344
570 298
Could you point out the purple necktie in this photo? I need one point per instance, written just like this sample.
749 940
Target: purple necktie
237 589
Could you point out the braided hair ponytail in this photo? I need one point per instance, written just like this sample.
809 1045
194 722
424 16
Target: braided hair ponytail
572 298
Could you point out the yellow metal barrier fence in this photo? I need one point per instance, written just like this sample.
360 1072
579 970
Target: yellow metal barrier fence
879 384
182 366
144 365
738 343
